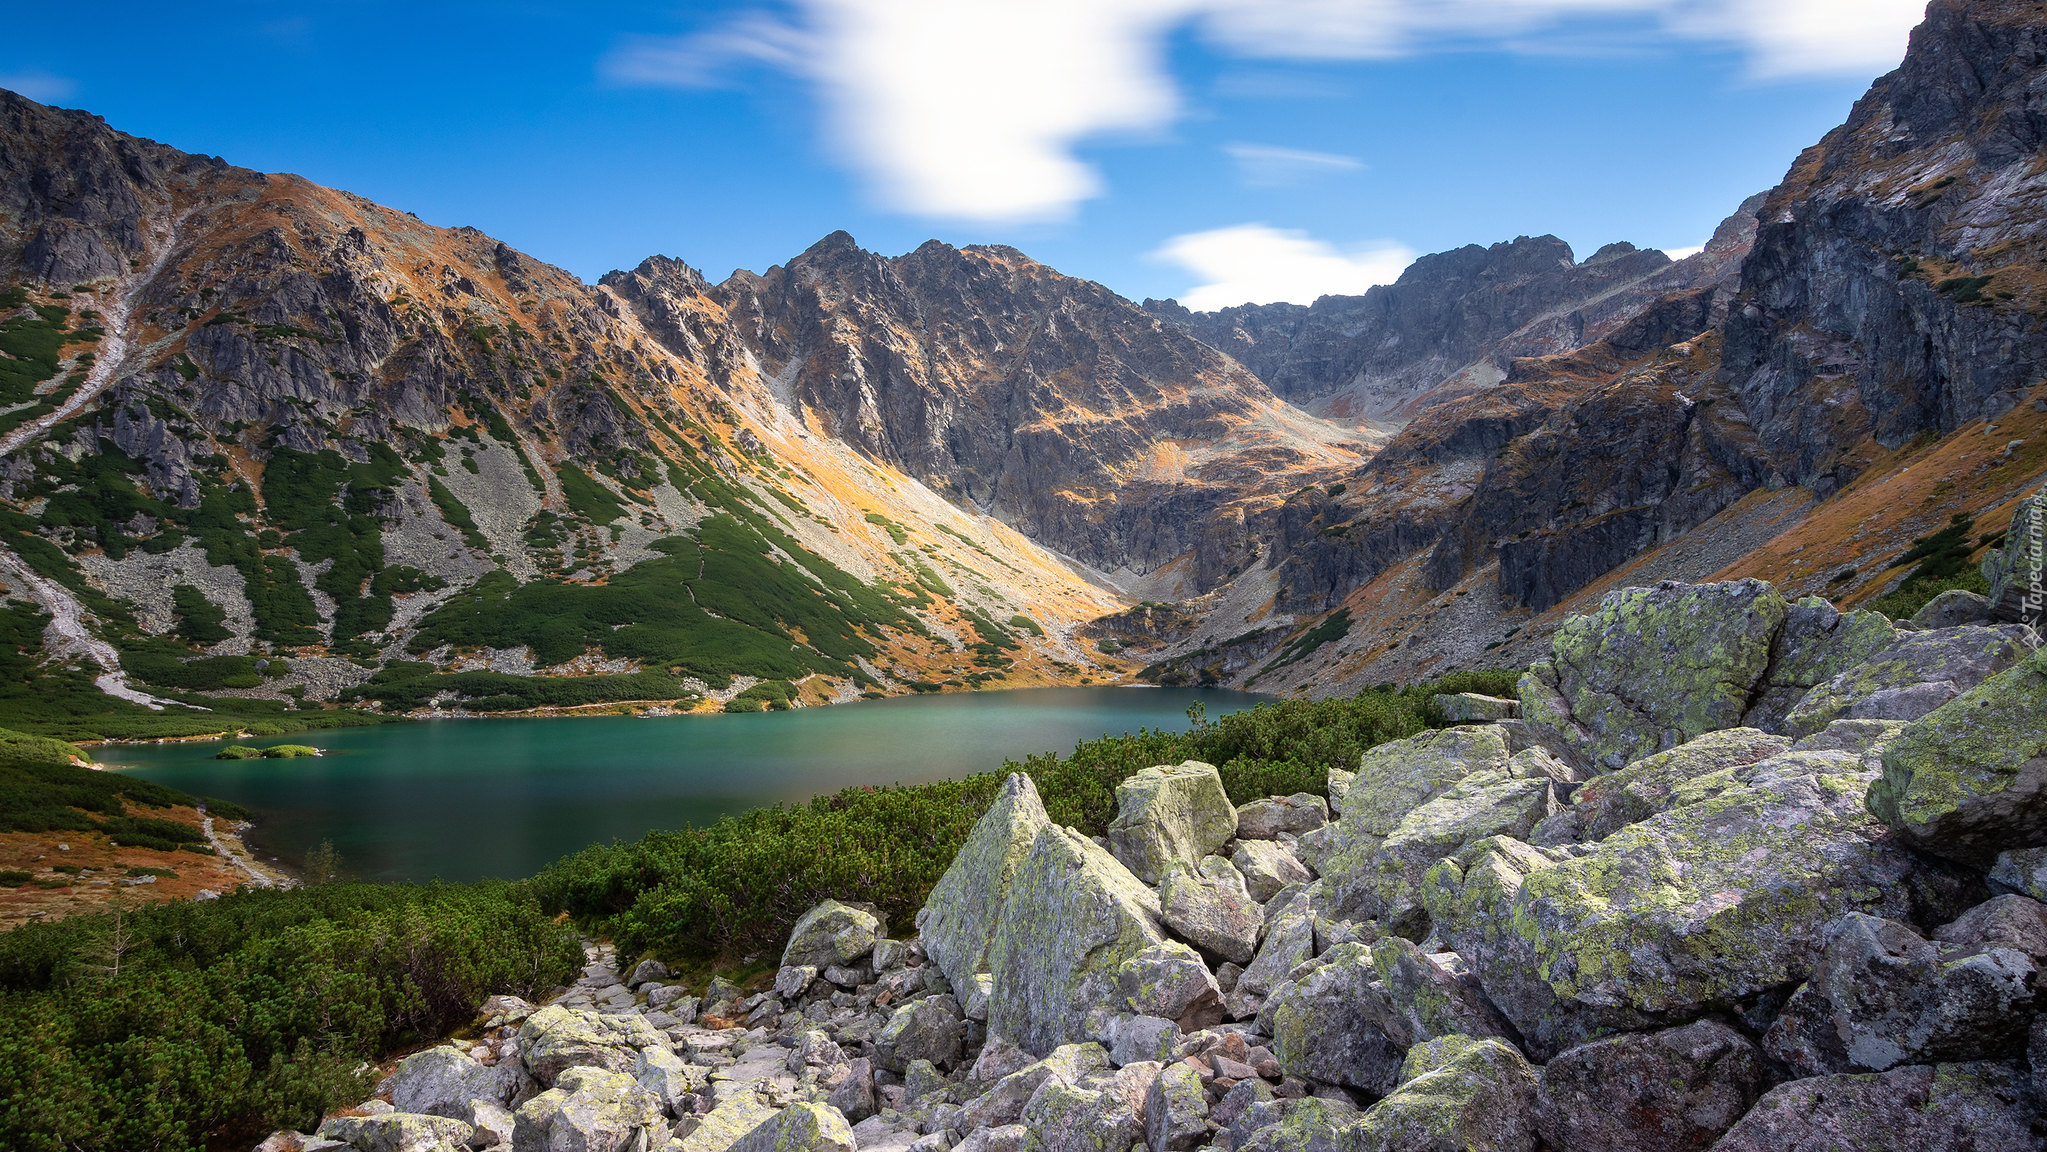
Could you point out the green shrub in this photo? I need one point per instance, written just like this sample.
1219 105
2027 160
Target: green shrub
1943 565
13 878
238 752
289 751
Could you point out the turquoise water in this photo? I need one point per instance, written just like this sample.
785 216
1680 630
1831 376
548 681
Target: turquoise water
466 799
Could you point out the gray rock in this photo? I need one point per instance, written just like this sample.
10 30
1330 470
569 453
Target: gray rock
556 1038
927 1029
645 971
1814 644
1311 1124
1072 916
1475 708
1865 738
1676 1090
854 1095
890 955
1953 608
791 981
1168 813
1482 1097
1064 1118
1289 941
800 1128
831 933
1966 779
2013 570
1267 867
589 1108
669 1077
1134 1039
2021 870
1295 814
1176 1112
1883 996
1696 907
734 1117
1170 980
398 1132
1004 1102
1606 804
1007 1138
1384 884
1335 1025
1339 782
1942 1108
957 925
1432 999
1211 909
490 1125
1913 675
722 998
442 1081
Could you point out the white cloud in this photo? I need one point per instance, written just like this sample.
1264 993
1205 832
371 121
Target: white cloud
1684 253
1259 264
1265 166
973 109
42 87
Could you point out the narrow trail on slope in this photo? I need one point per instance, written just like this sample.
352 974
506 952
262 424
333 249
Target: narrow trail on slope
67 635
113 347
221 849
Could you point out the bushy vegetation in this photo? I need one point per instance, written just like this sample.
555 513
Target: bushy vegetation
274 752
404 685
161 1027
41 790
32 345
737 886
1943 564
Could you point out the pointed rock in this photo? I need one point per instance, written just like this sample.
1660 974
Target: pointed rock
958 920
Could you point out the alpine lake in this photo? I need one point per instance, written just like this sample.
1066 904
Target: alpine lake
465 799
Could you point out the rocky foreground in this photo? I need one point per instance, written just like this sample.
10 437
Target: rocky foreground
1734 873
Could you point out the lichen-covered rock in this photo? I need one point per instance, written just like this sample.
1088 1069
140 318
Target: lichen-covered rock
1313 1124
1295 814
1064 1118
1969 779
1385 884
2013 570
722 1126
1913 675
1211 909
588 1110
927 1029
1170 980
1882 995
1431 998
1953 608
1865 738
1135 1039
1335 1025
1606 804
669 1077
1481 1100
1674 1091
1004 1101
1395 779
854 1095
831 933
958 920
1073 914
1474 708
645 971
1176 1111
491 1124
1654 667
1289 941
2022 870
398 1132
557 1038
1338 786
1169 813
1814 644
1267 867
1006 1138
442 1081
1693 908
800 1128
1923 1108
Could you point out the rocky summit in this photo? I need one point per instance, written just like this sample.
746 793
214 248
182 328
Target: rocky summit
1653 913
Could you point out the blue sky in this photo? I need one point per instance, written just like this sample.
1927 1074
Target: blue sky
1214 150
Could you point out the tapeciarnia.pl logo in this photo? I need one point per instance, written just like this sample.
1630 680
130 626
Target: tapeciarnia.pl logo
2036 561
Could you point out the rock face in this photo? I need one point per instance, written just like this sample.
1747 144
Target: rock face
1173 813
1678 1089
1913 675
1332 1026
1608 803
1481 1097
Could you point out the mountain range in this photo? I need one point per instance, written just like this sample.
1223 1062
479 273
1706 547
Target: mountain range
262 440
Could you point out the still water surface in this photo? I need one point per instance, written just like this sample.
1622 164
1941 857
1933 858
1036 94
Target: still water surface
465 799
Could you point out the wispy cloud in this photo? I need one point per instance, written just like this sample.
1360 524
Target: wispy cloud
1259 264
39 86
973 109
1266 166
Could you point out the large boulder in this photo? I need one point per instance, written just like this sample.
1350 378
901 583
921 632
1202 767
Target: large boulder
555 1038
1474 708
1072 915
2014 570
1170 813
398 1132
1954 608
1171 981
1694 908
926 1029
1385 885
1882 995
958 920
1295 814
1176 1110
1065 1118
1606 804
1433 995
1313 1124
1814 644
1334 1024
1923 1108
1969 779
1289 942
721 1127
1212 910
831 933
669 1077
442 1081
800 1128
1480 1097
1267 867
1396 778
1655 667
1674 1091
1913 675
589 1110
